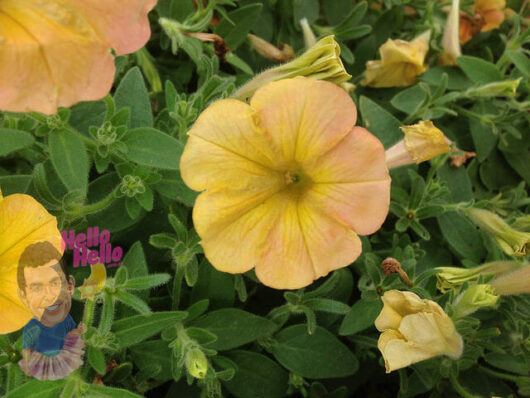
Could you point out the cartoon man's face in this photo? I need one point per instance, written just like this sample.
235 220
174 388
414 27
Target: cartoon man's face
47 294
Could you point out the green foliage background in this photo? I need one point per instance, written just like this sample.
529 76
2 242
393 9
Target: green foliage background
114 163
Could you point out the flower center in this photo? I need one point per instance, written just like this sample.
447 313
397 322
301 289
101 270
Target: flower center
296 180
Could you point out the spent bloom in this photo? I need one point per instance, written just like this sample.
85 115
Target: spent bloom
400 64
413 330
321 61
451 37
453 277
288 182
512 242
23 221
57 53
423 141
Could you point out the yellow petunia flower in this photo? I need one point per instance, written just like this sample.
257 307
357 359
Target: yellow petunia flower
414 330
23 221
57 53
288 182
95 283
401 62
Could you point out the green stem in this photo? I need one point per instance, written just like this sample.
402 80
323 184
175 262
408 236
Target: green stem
459 388
88 315
177 286
93 207
504 376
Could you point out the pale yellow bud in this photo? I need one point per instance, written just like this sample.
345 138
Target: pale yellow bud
474 298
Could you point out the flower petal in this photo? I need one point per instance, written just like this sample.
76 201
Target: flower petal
61 58
226 148
399 353
285 262
233 242
303 117
123 24
23 221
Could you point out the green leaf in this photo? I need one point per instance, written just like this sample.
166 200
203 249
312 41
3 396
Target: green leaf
132 93
458 182
516 364
520 60
96 359
95 391
146 199
14 184
520 162
234 327
327 305
171 186
308 9
147 282
479 70
462 236
361 316
137 328
153 148
37 389
456 79
234 60
133 301
69 158
14 140
149 352
317 356
257 376
379 122
409 100
133 207
244 19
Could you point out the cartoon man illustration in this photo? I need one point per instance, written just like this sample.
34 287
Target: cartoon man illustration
52 346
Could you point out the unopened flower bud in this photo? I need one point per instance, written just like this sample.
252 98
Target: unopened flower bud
505 88
196 363
512 242
474 298
516 282
423 141
309 37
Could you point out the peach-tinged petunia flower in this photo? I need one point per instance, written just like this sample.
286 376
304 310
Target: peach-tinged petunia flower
57 53
288 182
414 330
401 63
23 221
423 141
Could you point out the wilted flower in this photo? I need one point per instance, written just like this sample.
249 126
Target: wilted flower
454 277
515 282
451 37
288 182
23 221
512 242
469 26
277 54
58 53
474 298
492 11
322 62
414 330
423 141
401 62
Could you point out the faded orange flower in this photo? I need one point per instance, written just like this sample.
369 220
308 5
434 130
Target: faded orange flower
23 221
57 53
288 182
492 11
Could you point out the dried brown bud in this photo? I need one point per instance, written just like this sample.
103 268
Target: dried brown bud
391 266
